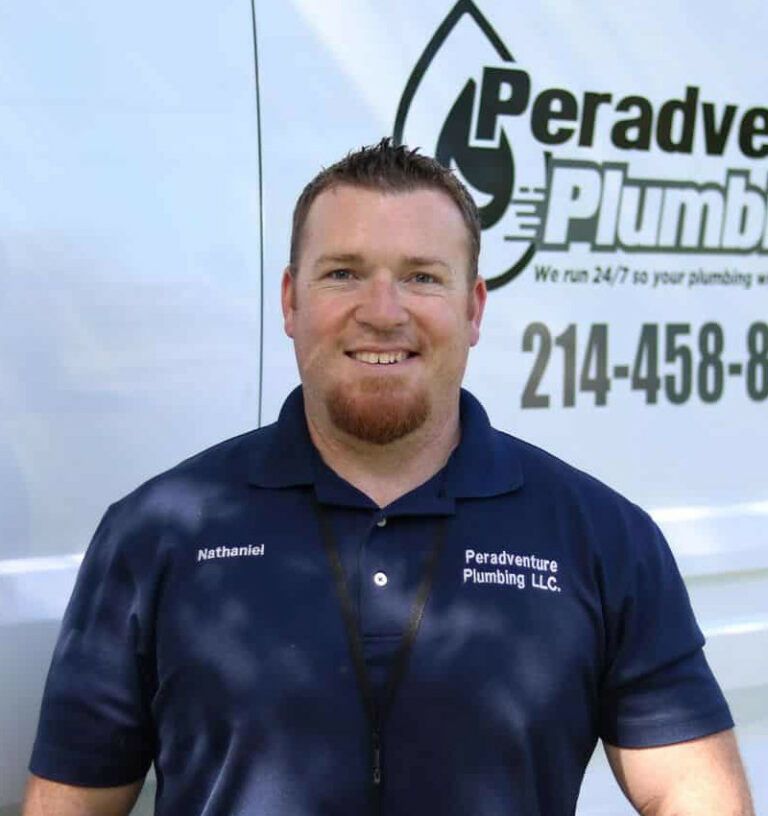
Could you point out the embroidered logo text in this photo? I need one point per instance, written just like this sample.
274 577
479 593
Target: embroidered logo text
512 569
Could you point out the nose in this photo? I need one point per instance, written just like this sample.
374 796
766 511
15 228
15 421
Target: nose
381 304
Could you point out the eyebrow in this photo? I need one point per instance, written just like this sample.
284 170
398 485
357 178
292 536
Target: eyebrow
346 257
354 257
421 260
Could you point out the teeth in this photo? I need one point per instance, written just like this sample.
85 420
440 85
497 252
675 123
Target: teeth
380 357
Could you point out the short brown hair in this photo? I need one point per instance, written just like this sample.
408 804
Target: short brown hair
389 168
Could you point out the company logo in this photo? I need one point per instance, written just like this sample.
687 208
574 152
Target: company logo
470 103
510 569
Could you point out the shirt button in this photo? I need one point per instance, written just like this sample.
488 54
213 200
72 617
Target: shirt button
380 579
382 522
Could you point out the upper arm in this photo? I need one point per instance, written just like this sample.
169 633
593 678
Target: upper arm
702 776
47 798
95 727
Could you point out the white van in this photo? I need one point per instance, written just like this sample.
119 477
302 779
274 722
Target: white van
151 155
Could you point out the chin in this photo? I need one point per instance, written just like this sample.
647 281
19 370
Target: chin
377 411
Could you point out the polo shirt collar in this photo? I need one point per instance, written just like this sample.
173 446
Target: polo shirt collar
485 463
286 459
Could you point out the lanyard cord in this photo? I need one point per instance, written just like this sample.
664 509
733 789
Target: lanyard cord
377 715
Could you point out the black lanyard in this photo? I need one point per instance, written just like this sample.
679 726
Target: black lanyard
377 713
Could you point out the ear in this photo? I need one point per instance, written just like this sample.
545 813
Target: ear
477 298
288 300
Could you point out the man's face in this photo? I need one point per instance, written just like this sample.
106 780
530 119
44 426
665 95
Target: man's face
381 310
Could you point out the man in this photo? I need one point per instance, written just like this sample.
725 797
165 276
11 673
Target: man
380 604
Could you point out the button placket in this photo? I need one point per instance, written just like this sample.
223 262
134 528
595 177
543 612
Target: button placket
378 573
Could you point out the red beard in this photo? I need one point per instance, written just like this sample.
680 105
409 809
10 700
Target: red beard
376 411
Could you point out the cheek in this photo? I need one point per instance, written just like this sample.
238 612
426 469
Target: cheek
451 328
316 330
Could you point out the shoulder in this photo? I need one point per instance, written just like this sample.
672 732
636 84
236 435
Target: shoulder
574 496
543 469
181 493
144 536
492 462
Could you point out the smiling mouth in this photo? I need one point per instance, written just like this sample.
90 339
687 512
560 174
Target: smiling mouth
381 357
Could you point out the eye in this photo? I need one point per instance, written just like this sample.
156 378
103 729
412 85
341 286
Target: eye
340 274
423 277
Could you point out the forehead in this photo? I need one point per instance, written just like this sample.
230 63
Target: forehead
347 218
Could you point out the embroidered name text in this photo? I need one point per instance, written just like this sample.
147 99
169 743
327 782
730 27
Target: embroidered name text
229 552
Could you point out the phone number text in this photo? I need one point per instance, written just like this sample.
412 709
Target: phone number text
672 361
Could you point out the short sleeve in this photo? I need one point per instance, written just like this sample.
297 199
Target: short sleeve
657 688
95 727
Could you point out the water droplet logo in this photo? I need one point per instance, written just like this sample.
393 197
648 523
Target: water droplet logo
463 102
494 175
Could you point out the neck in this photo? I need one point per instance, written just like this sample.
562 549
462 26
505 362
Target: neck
386 472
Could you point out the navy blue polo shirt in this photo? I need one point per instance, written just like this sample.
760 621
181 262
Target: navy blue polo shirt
204 634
